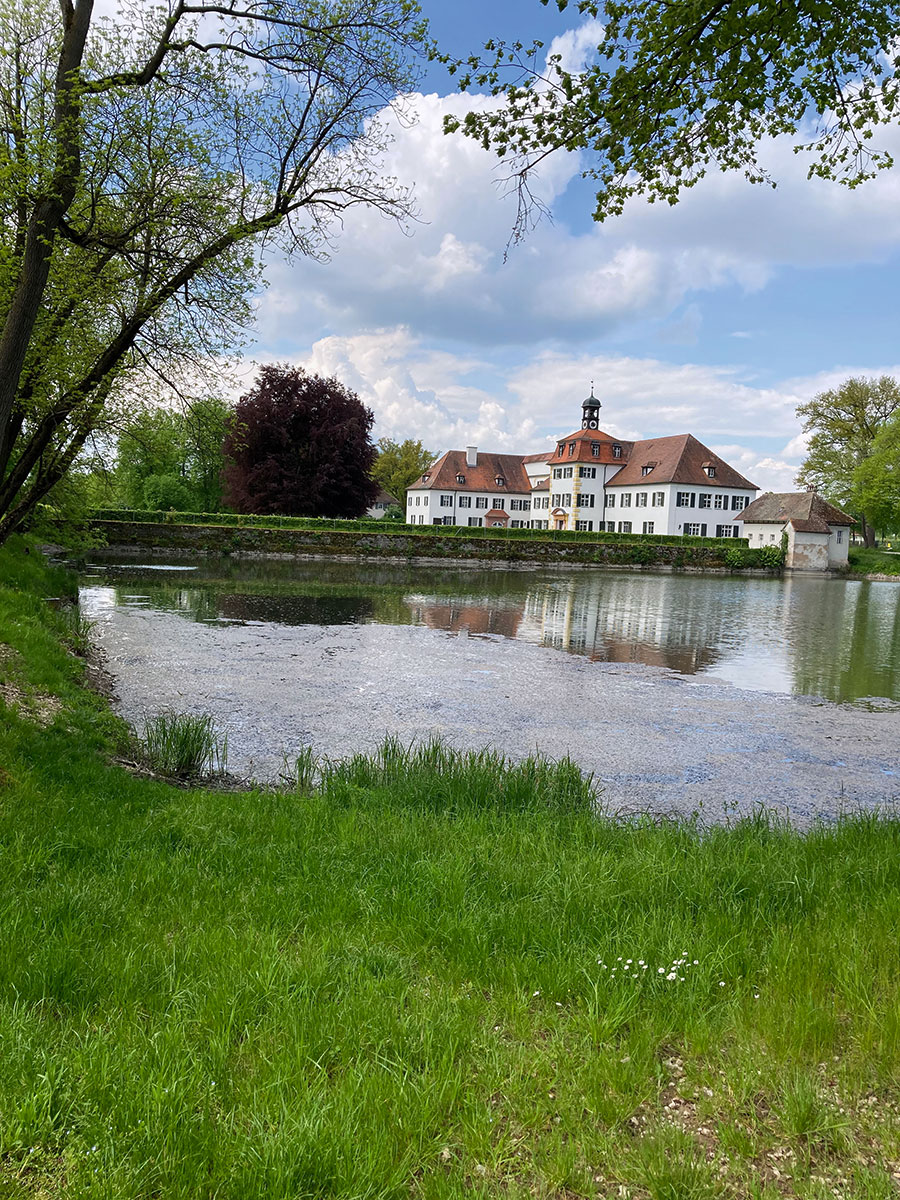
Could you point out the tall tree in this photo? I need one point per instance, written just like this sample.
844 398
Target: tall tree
843 424
399 464
144 169
678 86
173 457
876 481
299 445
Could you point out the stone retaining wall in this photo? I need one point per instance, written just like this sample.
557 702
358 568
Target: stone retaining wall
179 540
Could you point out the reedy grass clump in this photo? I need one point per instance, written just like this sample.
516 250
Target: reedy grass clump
183 746
431 776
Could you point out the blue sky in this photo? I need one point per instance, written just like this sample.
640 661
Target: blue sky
716 317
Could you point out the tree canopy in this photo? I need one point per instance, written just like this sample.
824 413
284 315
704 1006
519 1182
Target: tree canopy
145 167
399 464
679 86
845 425
876 481
299 445
173 458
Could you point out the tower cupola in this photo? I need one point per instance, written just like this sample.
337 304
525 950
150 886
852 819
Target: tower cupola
590 411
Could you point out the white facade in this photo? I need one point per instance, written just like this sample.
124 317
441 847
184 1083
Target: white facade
590 482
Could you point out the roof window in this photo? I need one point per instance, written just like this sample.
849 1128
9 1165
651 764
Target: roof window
617 451
425 478
595 449
460 479
500 481
710 470
647 468
571 449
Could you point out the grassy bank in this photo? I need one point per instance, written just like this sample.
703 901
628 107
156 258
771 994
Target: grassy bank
424 979
873 562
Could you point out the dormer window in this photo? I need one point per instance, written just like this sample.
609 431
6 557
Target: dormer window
645 470
571 449
595 449
561 449
425 478
500 481
617 451
711 471
460 479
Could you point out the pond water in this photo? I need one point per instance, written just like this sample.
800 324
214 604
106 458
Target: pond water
333 655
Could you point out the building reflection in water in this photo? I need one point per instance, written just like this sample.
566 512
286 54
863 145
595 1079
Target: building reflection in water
606 619
822 637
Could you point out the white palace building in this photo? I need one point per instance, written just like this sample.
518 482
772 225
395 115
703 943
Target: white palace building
590 482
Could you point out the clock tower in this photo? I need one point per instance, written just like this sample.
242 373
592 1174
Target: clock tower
590 411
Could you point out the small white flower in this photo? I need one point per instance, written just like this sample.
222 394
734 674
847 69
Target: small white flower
660 970
671 975
721 983
536 993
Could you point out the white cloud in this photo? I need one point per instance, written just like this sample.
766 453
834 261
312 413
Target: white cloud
451 401
576 47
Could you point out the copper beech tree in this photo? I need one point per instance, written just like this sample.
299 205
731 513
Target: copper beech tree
146 164
299 445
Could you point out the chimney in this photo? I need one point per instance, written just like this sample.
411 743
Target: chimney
471 456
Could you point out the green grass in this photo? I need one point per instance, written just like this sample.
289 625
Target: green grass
182 746
873 562
407 978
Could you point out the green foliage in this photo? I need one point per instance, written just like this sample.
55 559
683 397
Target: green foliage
399 465
166 492
771 556
145 163
172 458
675 89
863 561
876 481
433 777
843 424
182 746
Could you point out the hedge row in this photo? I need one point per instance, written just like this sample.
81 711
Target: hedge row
373 525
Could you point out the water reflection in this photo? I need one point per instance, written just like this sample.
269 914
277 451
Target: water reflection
822 637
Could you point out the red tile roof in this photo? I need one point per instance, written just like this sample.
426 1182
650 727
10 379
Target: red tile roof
583 440
777 508
678 459
480 478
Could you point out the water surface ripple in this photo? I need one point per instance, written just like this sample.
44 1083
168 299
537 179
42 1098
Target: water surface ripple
678 692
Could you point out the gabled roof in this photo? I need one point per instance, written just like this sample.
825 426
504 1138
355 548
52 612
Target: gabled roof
542 485
807 511
678 459
480 478
384 497
497 512
583 440
544 456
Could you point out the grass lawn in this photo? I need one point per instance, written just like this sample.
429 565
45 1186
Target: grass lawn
427 977
873 562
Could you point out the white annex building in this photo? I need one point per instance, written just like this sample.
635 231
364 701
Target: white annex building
590 482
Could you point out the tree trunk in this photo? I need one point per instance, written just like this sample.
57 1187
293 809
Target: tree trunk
49 210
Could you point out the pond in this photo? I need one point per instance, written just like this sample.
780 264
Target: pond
652 681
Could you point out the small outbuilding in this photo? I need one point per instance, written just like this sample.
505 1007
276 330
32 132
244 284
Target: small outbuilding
818 534
382 502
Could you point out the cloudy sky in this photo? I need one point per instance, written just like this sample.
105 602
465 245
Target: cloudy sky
716 317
